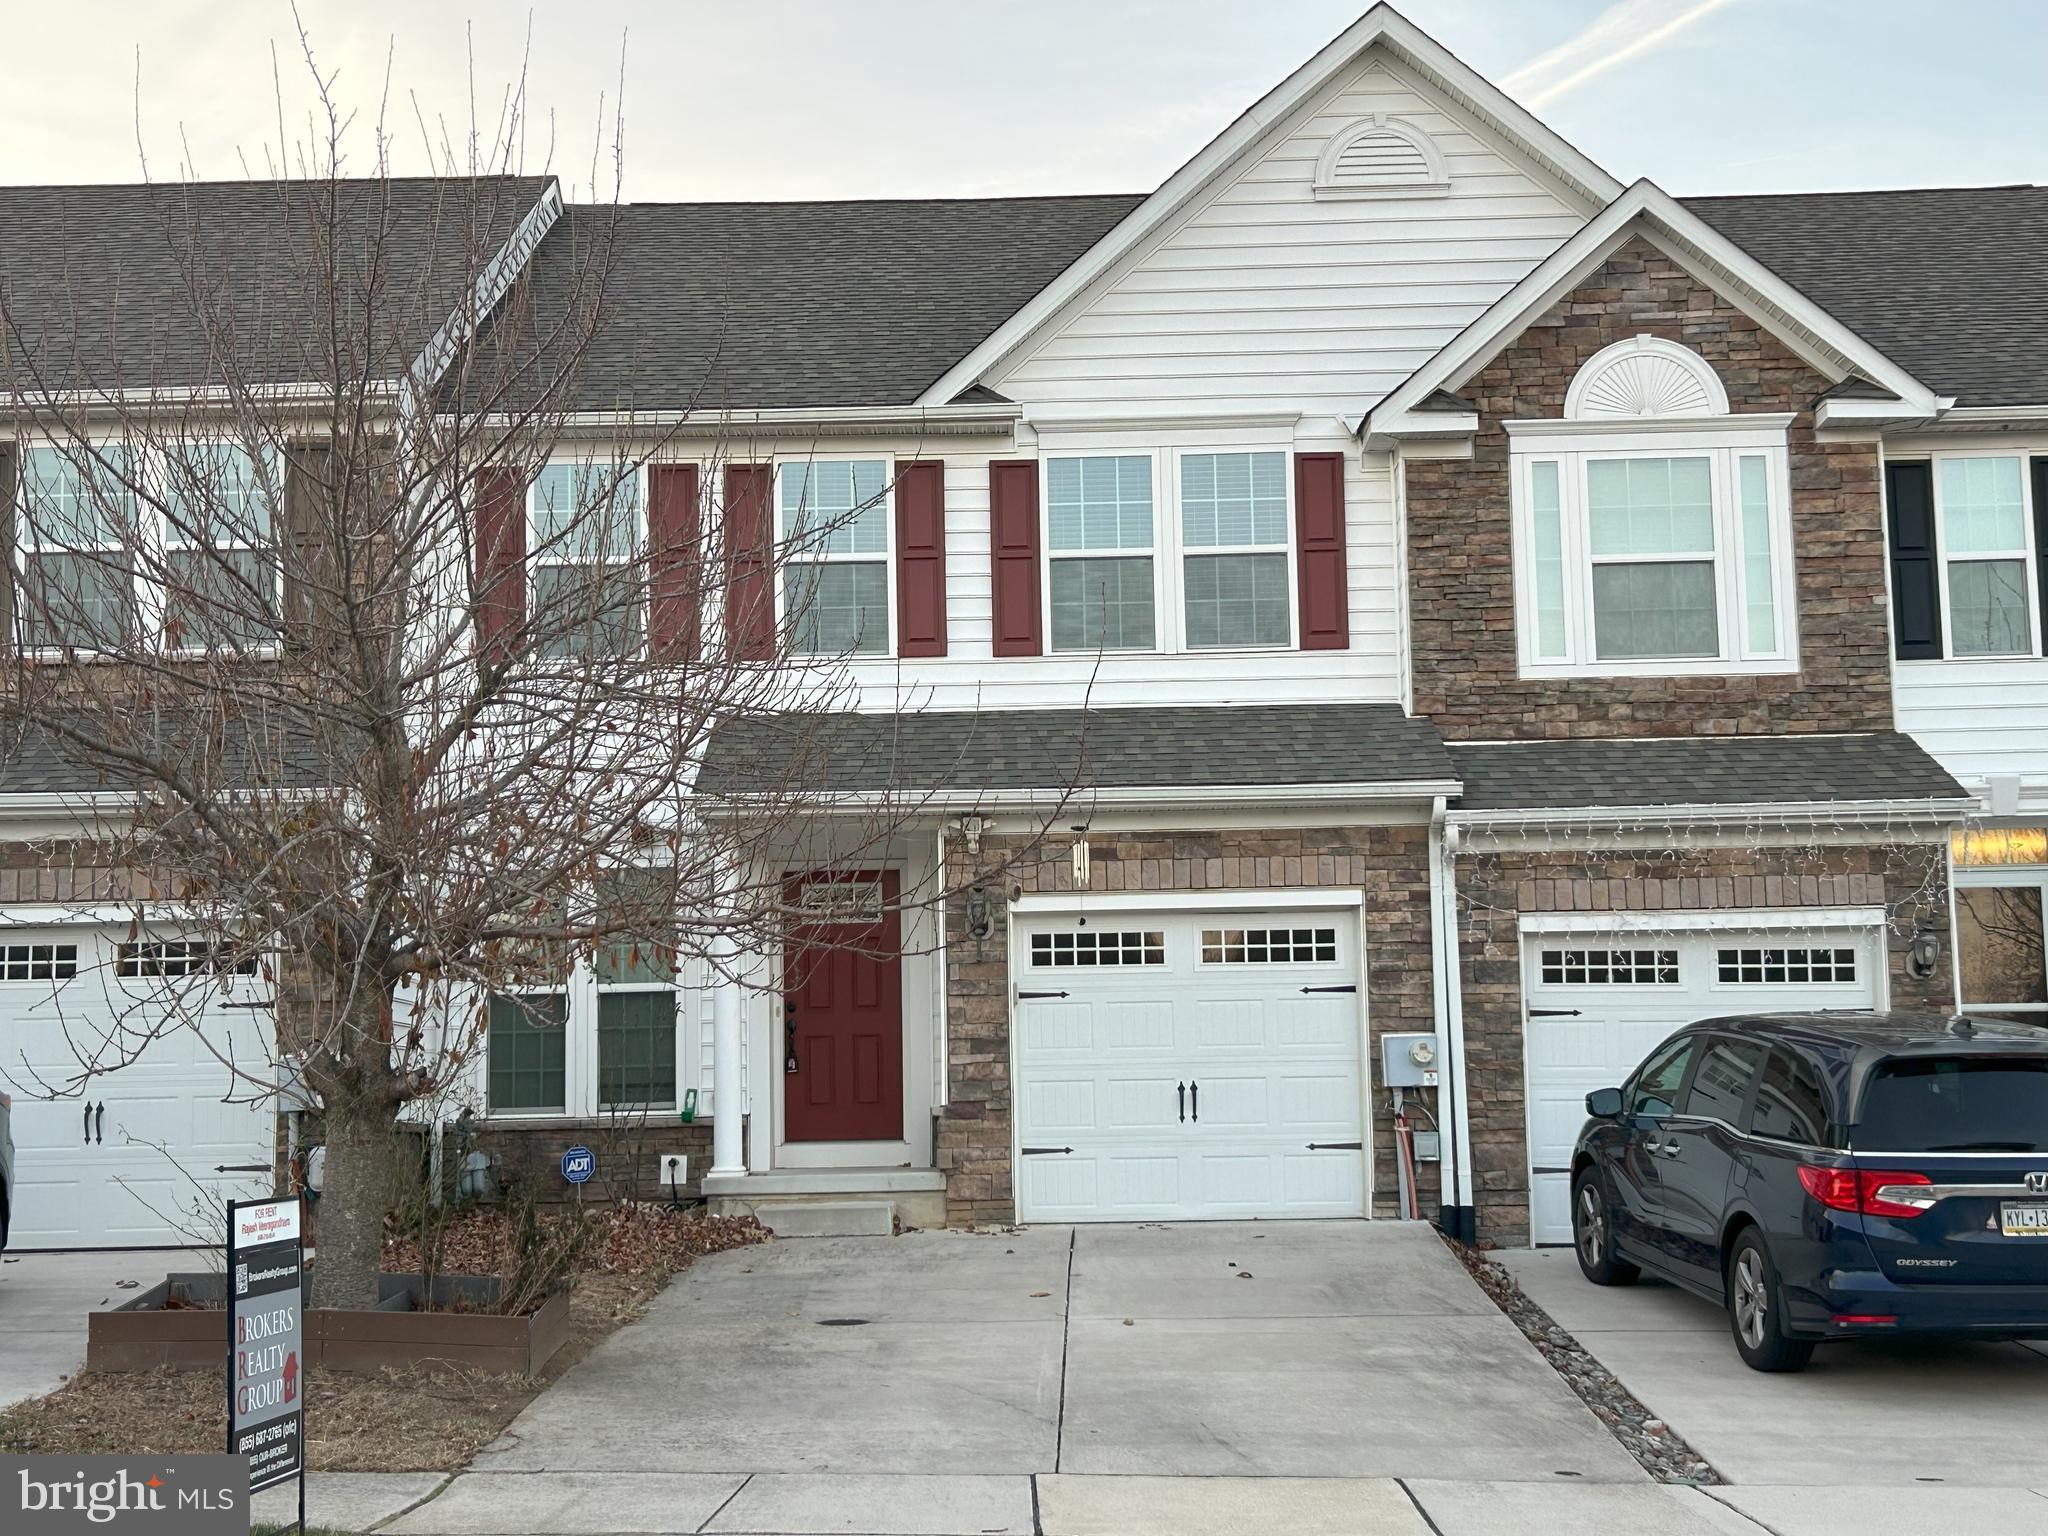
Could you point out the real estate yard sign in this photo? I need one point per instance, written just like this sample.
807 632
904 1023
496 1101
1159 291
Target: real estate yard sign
266 1321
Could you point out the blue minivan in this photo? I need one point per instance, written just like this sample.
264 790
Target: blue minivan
1828 1176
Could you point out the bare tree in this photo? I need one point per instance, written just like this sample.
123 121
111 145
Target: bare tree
396 672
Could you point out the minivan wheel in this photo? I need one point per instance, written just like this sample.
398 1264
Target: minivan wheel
1756 1312
1593 1236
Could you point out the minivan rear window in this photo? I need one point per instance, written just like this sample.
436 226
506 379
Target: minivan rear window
1962 1104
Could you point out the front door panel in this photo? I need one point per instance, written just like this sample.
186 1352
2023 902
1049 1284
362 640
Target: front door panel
842 1038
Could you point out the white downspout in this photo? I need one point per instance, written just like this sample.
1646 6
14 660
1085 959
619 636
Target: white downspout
1448 992
728 1146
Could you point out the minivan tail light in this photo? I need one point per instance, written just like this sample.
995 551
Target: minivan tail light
1867 1191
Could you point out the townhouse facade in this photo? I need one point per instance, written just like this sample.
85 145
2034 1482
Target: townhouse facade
1391 617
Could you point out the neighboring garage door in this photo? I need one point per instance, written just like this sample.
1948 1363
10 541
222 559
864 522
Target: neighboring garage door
1599 1003
1188 1065
145 1172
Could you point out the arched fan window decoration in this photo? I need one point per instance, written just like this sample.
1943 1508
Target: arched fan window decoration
1381 156
1645 376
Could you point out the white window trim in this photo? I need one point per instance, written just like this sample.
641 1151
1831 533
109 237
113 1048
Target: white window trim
535 561
2028 555
2009 876
1724 440
886 557
153 535
581 1096
1169 550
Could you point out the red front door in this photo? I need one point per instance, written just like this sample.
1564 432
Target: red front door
843 1010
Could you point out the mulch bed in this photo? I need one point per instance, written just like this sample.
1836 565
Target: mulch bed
1656 1448
424 1419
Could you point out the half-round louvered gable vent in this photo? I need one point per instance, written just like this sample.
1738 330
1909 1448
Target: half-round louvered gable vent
1381 156
1645 376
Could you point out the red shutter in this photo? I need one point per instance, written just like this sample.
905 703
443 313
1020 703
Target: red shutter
921 559
749 578
1319 544
674 616
1013 551
500 501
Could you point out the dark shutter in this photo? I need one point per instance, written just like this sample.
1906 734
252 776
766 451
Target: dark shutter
8 469
674 614
1013 556
500 560
1916 574
921 559
2040 468
1319 551
749 579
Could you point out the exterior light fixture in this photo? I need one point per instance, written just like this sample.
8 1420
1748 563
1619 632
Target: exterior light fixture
1923 951
980 923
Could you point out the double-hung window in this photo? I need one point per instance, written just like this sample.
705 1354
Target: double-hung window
1099 527
75 536
586 525
636 1016
1236 584
1666 558
835 573
220 580
1988 564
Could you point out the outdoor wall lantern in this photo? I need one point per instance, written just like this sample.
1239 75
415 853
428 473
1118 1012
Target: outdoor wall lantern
980 922
1923 952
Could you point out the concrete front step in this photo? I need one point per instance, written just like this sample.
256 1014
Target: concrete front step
828 1218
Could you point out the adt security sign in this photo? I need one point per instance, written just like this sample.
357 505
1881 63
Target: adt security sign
266 1351
578 1164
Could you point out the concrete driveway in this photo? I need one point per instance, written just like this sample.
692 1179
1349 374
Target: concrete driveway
1897 1414
1296 1349
43 1301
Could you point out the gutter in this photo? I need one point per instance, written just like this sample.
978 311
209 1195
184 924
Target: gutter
979 418
1098 795
1456 1212
1932 811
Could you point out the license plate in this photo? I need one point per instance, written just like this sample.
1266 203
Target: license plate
2024 1218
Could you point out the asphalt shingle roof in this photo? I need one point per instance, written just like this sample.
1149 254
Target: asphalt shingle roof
178 284
245 752
1949 283
1056 749
770 305
1699 770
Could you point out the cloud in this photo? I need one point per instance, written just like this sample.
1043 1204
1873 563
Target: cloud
1624 31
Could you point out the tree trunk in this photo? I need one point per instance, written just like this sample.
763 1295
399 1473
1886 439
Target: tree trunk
355 1192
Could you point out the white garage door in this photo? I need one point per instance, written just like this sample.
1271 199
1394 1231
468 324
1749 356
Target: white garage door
145 1170
1188 1065
1599 1003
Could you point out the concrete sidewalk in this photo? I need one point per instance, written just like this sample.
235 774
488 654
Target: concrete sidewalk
813 1504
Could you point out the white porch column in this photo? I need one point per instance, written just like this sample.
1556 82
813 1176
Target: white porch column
728 1147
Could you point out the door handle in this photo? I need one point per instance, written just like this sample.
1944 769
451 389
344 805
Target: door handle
99 1123
1180 1092
788 1036
88 1122
1195 1101
1670 1148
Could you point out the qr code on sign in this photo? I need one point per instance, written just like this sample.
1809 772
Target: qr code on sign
241 1279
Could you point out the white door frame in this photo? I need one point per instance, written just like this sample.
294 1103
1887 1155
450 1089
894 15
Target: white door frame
1304 899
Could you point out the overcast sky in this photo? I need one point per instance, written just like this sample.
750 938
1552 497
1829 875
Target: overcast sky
906 98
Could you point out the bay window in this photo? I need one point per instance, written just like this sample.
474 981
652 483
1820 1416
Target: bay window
1236 573
1647 554
835 577
1987 561
1099 527
586 525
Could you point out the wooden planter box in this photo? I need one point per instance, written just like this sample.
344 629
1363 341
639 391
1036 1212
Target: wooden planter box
140 1335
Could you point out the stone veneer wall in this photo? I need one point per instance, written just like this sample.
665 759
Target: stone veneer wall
1909 881
1388 863
1460 554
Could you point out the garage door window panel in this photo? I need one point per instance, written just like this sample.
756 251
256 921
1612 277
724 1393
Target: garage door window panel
1609 967
1794 965
1269 946
39 962
1098 948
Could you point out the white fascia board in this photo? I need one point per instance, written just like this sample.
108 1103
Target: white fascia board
976 419
1380 24
491 285
1858 813
1298 898
1647 204
1194 796
1392 430
1837 414
1719 919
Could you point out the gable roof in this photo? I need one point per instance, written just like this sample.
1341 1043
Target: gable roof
782 305
1950 281
1383 26
1810 330
180 286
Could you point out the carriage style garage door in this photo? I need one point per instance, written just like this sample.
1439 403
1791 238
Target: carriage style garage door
132 1158
1598 1003
1188 1065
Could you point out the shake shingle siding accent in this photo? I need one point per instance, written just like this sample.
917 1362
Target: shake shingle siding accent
1056 749
1758 770
745 306
1947 282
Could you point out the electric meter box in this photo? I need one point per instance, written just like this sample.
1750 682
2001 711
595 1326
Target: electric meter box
1408 1061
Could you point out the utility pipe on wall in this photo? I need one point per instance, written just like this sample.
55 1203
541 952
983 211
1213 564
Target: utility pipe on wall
1457 1216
